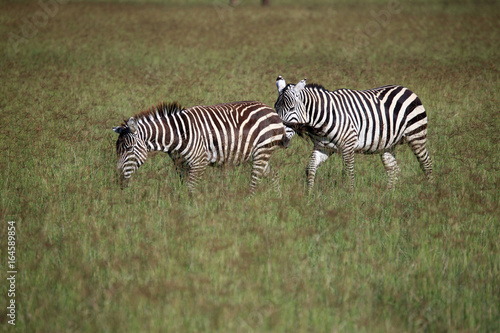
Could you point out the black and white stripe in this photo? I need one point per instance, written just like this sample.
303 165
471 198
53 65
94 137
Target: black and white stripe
195 137
352 121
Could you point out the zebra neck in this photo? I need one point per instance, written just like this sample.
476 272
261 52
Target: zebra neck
311 106
320 108
165 134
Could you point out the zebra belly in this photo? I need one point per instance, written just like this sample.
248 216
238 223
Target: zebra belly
378 145
219 144
324 142
221 155
212 157
362 146
216 156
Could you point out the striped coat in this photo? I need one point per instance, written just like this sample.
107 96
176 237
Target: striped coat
195 137
352 121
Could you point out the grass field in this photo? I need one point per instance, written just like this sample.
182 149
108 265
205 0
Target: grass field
91 257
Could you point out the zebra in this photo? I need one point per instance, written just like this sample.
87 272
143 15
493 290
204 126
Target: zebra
353 121
195 137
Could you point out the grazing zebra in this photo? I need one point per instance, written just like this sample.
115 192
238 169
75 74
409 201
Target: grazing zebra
195 137
351 121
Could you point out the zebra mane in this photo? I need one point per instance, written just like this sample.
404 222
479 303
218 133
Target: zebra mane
315 86
167 108
161 110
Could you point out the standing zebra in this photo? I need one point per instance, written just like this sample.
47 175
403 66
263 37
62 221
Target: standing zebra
350 121
201 135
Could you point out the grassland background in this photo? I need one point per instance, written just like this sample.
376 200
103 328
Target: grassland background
92 257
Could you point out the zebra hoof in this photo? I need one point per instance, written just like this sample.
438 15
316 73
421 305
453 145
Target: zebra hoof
124 183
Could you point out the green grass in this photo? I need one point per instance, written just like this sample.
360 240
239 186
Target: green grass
92 257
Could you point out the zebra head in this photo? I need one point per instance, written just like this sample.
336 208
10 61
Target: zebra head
131 150
289 105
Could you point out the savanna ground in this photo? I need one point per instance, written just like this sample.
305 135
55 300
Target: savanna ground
92 257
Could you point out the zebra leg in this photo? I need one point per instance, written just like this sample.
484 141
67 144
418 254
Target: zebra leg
260 167
182 170
423 157
417 143
416 136
348 160
317 158
180 165
391 167
274 177
195 172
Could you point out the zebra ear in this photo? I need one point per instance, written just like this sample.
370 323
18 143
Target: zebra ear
299 86
118 129
280 83
132 124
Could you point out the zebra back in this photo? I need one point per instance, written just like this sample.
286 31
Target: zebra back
230 132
